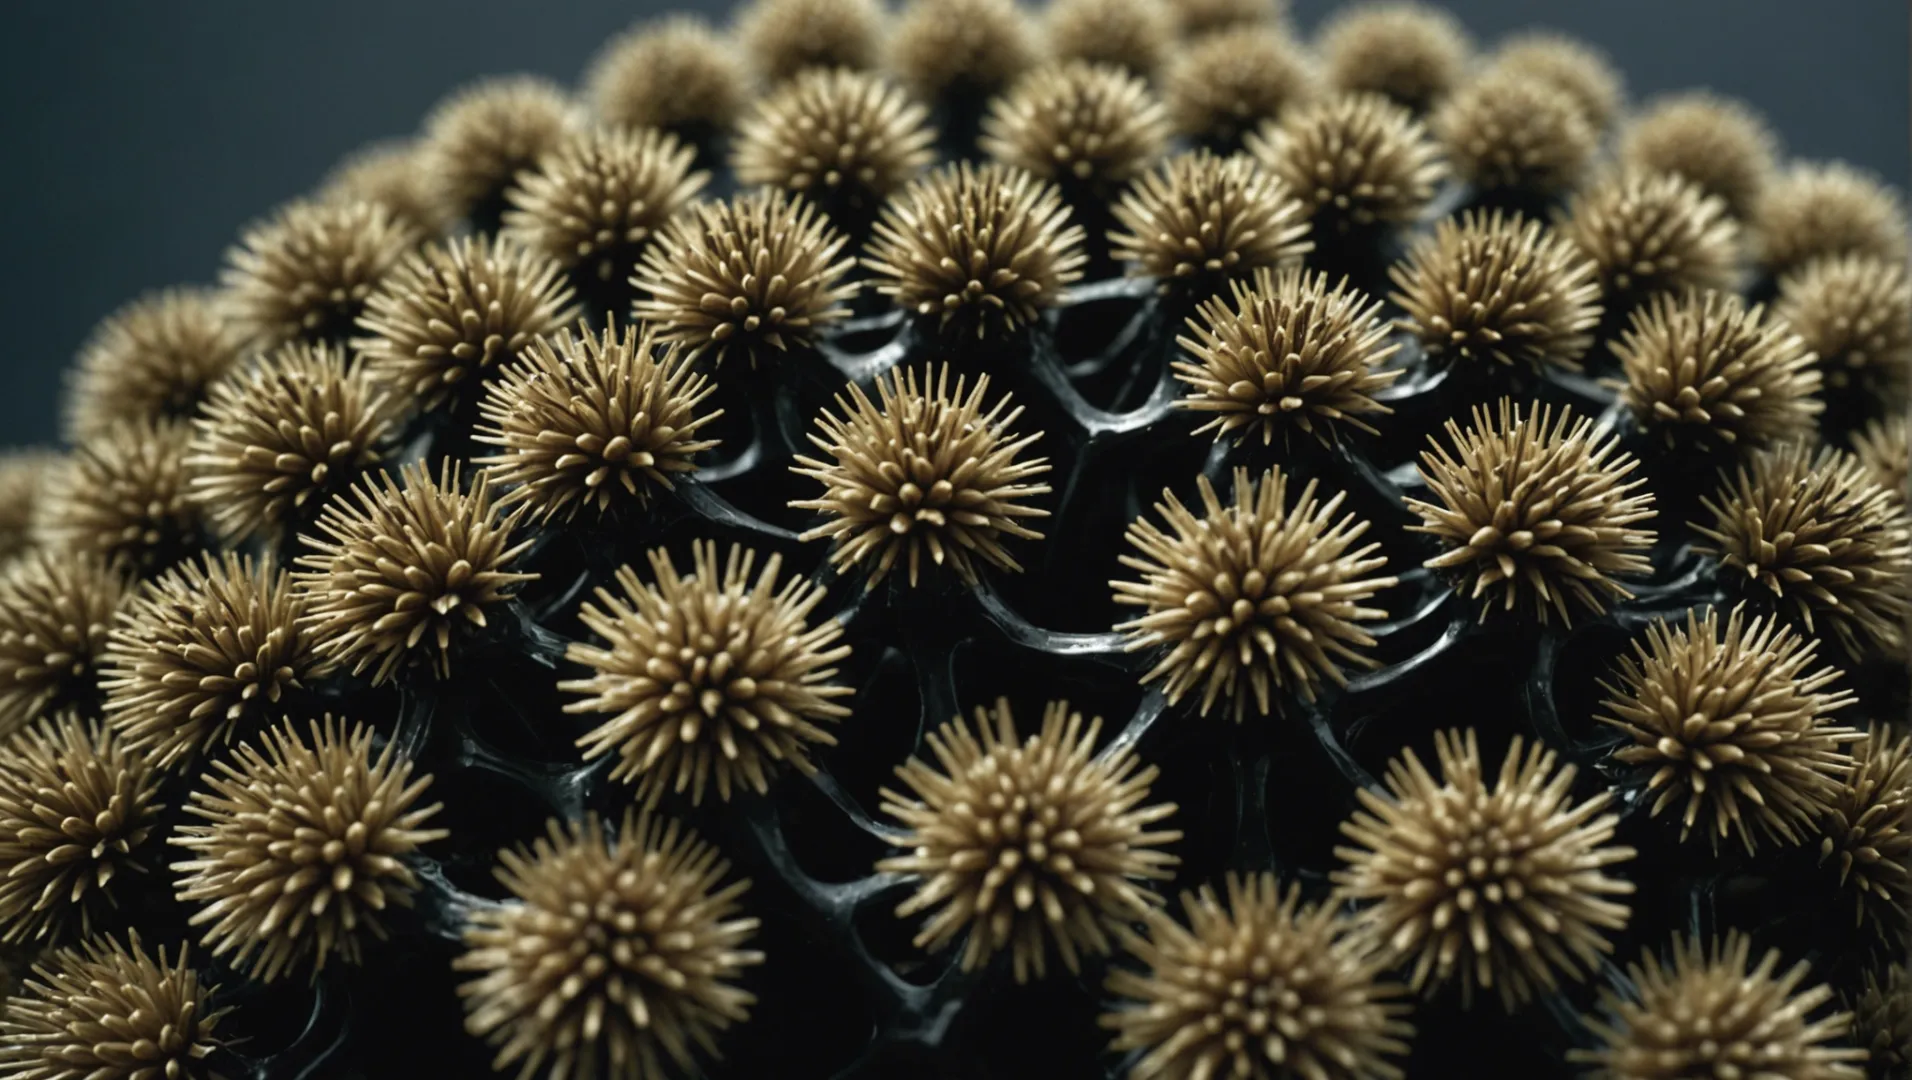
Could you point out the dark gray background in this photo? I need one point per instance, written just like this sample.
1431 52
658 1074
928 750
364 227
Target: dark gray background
140 137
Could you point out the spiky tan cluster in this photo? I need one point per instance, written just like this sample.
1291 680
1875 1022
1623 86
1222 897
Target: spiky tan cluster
1200 219
480 137
840 138
23 476
1224 85
709 679
1252 597
618 954
1712 141
1814 532
1823 211
1884 447
784 38
1706 1013
1093 126
1502 886
595 200
1135 35
302 853
279 437
750 276
109 1011
398 567
447 318
924 469
122 495
1287 353
1411 53
1867 829
202 652
1198 18
674 73
1509 132
949 50
1855 313
1501 288
150 360
1538 508
1652 233
305 272
1258 986
1882 1022
77 806
56 612
1571 66
1033 845
1704 370
984 249
593 421
1355 160
392 173
1733 723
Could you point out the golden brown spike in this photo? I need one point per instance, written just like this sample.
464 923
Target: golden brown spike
302 854
1882 1021
843 139
983 249
593 421
1867 833
1256 985
617 954
153 359
77 806
480 137
1355 160
122 496
1712 141
1499 288
1020 882
56 611
23 475
1654 232
1571 66
1200 220
1088 126
279 437
446 319
946 50
1224 85
392 173
595 200
924 469
1135 35
1706 1013
1816 211
1706 372
398 567
1506 132
674 73
785 37
1855 313
1286 354
99 1009
1411 53
1537 507
1731 727
1518 924
1198 18
755 275
1812 531
304 273
204 652
708 679
1885 449
1251 598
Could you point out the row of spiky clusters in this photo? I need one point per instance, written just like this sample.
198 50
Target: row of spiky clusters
1223 158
